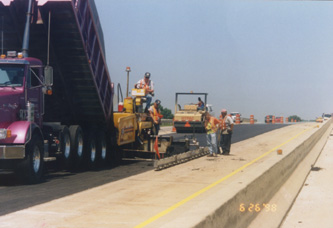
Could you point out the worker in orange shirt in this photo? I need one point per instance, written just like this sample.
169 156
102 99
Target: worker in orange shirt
156 116
226 128
211 126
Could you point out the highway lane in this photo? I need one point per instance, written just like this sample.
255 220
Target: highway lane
57 184
240 133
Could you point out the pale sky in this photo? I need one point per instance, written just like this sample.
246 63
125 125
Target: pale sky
254 57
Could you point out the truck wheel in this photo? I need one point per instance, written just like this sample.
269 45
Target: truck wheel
102 149
91 150
115 152
65 146
31 169
76 135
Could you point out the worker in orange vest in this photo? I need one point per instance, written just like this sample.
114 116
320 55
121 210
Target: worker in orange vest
148 85
156 116
211 126
226 128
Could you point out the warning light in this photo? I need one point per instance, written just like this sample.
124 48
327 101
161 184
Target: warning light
9 133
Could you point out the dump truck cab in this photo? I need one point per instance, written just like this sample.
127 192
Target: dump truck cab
22 89
22 85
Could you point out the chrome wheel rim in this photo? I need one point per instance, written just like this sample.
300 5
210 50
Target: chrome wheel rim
67 146
103 152
80 146
36 159
93 151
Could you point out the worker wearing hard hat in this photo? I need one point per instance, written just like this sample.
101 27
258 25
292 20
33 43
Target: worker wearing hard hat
226 128
148 85
211 126
156 116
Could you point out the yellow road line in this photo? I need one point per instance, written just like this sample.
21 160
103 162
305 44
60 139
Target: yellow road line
180 203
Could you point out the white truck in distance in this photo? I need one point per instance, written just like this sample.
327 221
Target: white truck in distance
234 114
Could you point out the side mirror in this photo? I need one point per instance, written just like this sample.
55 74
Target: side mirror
48 76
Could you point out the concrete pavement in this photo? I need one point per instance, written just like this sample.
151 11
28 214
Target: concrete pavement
206 192
314 204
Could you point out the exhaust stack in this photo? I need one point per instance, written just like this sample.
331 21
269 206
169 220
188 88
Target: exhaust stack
25 46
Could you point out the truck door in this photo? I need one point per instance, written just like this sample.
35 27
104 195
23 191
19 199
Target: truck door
34 92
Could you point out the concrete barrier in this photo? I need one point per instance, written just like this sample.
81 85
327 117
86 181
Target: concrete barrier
261 185
166 122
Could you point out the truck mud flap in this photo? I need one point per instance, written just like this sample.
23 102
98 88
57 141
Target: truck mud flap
180 158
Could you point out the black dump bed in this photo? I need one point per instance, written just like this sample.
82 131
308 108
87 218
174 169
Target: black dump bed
82 91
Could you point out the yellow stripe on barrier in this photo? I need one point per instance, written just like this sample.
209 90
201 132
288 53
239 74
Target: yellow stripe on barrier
180 203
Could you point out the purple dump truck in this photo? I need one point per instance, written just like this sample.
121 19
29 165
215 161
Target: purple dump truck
63 112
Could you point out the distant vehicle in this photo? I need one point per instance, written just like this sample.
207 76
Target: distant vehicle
278 119
319 120
209 109
270 118
326 116
234 114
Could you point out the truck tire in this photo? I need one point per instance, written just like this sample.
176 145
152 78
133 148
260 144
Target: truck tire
102 150
31 168
67 156
91 150
114 151
76 135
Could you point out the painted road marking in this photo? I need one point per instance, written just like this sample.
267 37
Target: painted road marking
180 203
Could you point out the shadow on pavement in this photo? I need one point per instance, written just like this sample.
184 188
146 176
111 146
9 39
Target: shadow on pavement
16 196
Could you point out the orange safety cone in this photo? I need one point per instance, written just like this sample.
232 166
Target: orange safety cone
173 125
187 124
251 119
237 119
156 147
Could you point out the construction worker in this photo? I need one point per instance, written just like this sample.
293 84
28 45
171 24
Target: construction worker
156 116
200 104
211 126
148 85
226 128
